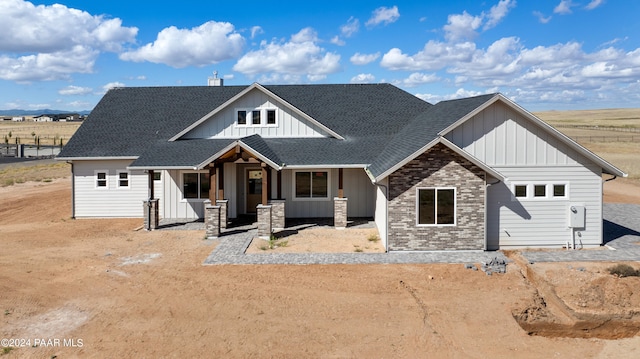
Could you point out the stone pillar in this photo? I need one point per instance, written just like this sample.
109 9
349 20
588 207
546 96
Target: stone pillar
277 214
264 221
150 213
340 213
211 220
224 208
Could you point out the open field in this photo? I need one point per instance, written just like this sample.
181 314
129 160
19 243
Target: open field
47 131
111 291
622 117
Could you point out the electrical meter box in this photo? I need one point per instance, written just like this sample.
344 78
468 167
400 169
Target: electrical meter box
576 216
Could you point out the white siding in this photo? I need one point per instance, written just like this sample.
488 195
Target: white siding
175 206
524 152
223 123
112 201
381 210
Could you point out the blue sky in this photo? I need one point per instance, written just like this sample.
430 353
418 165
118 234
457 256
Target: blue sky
548 54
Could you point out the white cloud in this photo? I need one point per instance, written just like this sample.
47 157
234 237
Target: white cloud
207 44
336 40
279 60
363 59
563 8
75 90
498 12
418 78
112 85
462 26
383 15
594 4
255 31
52 42
434 56
541 18
351 27
460 93
363 79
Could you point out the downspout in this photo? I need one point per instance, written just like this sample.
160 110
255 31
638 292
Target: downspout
386 214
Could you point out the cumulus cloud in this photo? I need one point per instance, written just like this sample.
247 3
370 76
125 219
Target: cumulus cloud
563 8
255 31
287 61
363 59
363 79
351 27
418 78
52 42
75 90
112 85
498 12
383 15
207 44
462 26
434 56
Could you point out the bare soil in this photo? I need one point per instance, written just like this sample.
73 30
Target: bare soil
115 292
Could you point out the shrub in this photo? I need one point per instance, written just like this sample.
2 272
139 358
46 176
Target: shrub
624 270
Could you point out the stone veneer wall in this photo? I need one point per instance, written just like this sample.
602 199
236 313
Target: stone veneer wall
438 167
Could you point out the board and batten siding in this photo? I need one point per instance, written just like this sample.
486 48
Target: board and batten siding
223 123
380 217
175 205
524 152
112 201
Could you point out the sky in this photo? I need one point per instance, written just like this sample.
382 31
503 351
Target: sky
545 55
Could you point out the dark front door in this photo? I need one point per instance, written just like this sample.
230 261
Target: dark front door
254 189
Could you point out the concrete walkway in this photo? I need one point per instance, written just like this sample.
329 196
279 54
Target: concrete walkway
621 227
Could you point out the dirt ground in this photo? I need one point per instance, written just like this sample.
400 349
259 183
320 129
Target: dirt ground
97 288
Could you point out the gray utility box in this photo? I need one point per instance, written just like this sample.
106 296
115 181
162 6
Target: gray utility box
576 216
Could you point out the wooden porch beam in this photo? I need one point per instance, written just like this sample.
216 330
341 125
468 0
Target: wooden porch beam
213 191
265 183
151 189
279 184
221 180
340 182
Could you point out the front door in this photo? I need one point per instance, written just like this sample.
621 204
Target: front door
254 189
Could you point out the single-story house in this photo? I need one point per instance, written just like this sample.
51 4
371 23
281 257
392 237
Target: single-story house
478 173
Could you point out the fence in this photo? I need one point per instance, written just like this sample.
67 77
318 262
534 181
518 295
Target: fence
602 128
43 151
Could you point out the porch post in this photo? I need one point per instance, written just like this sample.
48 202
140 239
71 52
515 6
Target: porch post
265 223
211 209
277 205
265 183
150 207
222 202
279 185
213 191
340 205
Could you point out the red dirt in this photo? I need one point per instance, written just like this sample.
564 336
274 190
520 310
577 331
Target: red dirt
127 293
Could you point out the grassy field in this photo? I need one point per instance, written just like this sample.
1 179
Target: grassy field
26 132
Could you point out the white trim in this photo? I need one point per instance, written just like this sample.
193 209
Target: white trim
329 197
455 207
154 168
255 85
264 111
303 167
106 179
107 158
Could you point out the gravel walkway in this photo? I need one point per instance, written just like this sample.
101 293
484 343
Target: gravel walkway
621 227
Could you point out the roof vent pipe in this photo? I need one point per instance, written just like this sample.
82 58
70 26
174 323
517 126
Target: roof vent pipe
215 81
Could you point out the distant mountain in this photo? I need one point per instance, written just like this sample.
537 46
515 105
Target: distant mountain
38 112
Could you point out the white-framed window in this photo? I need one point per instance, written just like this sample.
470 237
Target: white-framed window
123 179
195 185
311 185
256 117
102 178
436 206
157 176
539 190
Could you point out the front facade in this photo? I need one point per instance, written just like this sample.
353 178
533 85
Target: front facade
472 174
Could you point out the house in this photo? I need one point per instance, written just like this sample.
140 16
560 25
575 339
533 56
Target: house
478 173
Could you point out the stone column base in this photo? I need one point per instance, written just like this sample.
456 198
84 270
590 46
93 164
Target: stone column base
224 210
277 214
211 220
340 213
151 215
264 221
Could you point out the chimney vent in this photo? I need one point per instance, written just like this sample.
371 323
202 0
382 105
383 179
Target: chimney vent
215 81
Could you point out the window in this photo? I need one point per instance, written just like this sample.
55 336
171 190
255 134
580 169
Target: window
195 185
539 191
123 179
271 117
311 184
101 179
242 117
520 190
256 117
436 206
157 176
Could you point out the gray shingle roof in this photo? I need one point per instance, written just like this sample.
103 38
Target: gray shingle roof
381 125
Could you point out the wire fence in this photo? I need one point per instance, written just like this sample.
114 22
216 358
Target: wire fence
601 128
596 138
